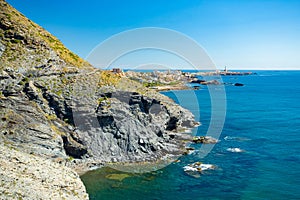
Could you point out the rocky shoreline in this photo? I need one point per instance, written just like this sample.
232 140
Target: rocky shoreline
59 115
87 129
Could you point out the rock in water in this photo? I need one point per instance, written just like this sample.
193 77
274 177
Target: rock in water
212 82
204 140
197 168
238 84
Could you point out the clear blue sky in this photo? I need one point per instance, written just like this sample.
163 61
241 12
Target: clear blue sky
241 34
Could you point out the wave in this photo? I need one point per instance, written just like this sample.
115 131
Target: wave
230 138
198 167
235 150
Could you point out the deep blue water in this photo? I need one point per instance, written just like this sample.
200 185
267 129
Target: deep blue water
262 118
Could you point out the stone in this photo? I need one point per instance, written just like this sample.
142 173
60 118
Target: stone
238 84
204 140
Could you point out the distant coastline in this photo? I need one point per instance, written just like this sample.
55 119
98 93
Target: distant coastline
166 80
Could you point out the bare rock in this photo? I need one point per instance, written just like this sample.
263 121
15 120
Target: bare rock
24 176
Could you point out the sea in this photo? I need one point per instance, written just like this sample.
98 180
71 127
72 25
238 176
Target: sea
262 122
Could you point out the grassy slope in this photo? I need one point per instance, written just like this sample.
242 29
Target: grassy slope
23 37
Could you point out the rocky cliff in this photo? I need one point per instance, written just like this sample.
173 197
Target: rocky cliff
57 111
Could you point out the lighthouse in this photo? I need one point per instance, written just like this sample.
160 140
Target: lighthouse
225 70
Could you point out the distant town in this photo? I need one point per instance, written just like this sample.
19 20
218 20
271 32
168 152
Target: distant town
175 79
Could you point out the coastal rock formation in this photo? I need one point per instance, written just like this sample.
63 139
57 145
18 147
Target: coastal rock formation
133 127
105 124
57 111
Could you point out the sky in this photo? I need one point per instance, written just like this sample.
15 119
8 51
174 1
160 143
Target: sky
239 34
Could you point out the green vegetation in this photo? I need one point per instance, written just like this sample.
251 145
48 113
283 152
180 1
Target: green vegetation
152 84
108 78
16 41
101 99
70 158
24 81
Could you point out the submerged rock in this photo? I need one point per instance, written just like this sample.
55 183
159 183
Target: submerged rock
118 177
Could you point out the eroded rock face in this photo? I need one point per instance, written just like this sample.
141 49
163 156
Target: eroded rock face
128 127
95 126
24 176
25 127
25 121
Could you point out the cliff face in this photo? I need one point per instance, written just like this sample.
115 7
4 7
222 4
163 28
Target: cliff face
126 122
78 116
54 106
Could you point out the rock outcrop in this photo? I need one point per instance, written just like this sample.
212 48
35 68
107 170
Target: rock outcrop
128 126
85 125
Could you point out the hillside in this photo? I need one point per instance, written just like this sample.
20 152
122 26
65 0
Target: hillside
26 45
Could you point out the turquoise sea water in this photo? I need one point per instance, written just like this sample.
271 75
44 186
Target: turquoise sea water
262 118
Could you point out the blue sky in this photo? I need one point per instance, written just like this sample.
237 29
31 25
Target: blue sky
241 34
